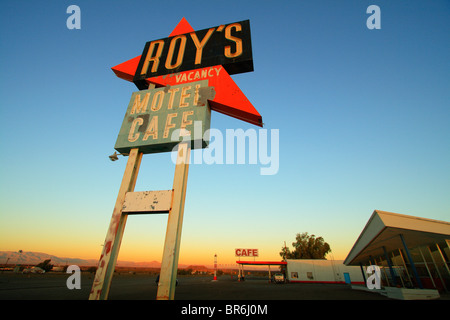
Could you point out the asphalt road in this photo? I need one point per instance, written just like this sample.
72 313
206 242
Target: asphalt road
196 297
53 286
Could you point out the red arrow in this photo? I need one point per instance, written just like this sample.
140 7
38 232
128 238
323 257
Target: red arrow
229 99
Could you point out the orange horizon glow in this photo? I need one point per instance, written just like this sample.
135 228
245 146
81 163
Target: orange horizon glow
186 257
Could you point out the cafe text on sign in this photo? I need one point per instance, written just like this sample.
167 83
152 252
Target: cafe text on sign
246 252
157 120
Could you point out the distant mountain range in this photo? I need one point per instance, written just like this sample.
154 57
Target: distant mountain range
33 258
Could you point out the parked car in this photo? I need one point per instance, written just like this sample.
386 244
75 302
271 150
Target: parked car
279 278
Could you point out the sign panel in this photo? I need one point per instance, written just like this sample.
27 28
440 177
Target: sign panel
157 120
229 99
246 252
226 45
147 202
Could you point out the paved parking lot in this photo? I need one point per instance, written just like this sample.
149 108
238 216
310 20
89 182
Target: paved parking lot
196 297
143 287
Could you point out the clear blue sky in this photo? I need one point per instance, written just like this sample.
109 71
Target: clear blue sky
363 117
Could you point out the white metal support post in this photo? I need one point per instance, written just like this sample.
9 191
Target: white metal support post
436 267
169 264
442 256
108 258
426 266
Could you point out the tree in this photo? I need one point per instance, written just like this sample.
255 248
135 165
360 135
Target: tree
306 247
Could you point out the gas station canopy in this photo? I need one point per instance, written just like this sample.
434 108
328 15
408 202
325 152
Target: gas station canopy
384 232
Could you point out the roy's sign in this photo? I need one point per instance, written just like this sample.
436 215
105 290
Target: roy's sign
157 120
188 55
226 45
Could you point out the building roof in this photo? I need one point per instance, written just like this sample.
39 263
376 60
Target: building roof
262 262
384 228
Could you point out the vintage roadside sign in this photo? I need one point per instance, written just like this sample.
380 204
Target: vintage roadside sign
181 79
157 120
214 54
227 45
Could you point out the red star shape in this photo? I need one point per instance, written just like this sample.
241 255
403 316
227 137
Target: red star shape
228 100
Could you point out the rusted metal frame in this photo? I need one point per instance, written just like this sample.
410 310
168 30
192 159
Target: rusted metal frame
108 258
169 264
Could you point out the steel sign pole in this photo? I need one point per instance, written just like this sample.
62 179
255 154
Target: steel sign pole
108 259
169 264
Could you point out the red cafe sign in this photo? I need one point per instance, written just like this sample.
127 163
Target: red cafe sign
246 252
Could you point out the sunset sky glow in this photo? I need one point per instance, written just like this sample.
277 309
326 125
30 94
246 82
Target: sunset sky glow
363 119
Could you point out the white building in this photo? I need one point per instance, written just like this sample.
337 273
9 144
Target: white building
412 253
322 271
